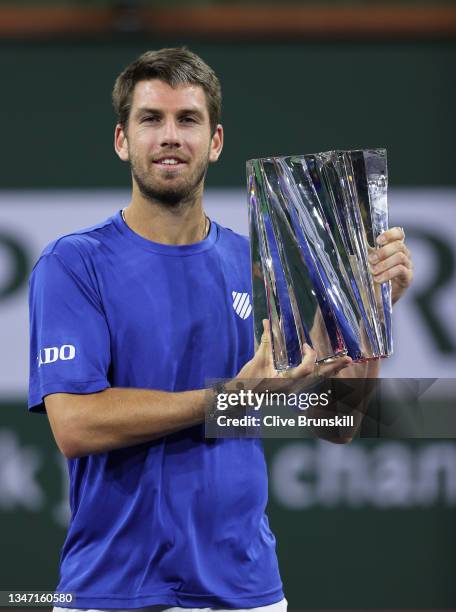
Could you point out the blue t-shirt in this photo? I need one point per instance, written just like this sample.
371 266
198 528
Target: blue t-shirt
179 521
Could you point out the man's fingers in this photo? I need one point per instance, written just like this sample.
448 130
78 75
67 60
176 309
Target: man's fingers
400 273
266 336
393 260
305 368
334 366
307 365
265 343
394 233
262 360
398 259
396 246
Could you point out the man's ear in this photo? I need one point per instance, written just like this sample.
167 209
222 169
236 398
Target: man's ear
216 144
121 143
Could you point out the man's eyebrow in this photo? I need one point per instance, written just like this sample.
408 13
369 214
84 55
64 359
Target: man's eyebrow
191 111
184 111
144 109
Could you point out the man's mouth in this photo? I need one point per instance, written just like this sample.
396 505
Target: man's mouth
169 162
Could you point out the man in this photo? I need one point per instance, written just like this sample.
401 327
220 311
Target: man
129 319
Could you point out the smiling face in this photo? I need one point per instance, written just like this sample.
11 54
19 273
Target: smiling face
168 141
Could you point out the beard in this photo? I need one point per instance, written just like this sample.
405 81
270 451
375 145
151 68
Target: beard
174 195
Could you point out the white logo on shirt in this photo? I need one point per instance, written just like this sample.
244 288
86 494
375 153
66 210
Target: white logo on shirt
241 304
53 353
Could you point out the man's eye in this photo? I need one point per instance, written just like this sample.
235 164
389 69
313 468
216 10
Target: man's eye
151 119
188 119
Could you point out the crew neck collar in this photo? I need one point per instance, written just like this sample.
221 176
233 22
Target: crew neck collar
166 249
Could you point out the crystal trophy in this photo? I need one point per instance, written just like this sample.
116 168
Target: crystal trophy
314 220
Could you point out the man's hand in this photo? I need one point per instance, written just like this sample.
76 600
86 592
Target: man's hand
259 375
261 366
392 261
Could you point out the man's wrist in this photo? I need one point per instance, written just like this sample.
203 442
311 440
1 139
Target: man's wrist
219 387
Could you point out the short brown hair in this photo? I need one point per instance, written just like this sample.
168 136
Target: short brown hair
177 66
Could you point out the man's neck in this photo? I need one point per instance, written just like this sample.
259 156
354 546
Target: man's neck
184 224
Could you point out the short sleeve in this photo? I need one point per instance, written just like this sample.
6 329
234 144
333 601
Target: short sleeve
69 334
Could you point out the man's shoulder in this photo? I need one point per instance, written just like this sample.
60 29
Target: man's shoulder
82 241
78 247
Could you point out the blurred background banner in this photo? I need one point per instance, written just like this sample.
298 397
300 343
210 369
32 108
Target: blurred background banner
368 525
424 321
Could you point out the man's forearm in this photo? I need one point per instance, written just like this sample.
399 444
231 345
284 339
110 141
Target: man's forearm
118 417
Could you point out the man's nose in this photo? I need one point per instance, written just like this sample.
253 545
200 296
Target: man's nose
170 134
